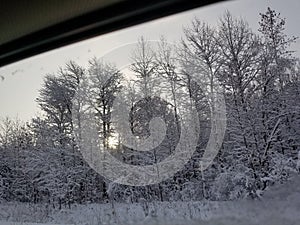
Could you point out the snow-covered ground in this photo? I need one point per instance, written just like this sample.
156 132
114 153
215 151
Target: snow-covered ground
278 206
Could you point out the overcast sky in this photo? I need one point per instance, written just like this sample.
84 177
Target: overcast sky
23 79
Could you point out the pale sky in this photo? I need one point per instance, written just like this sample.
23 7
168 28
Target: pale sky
23 79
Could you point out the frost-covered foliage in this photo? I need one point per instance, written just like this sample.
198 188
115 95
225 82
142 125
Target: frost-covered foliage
40 161
279 206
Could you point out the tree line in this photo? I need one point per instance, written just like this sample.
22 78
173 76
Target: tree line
259 76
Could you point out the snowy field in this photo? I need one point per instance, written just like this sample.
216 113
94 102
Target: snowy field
278 206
